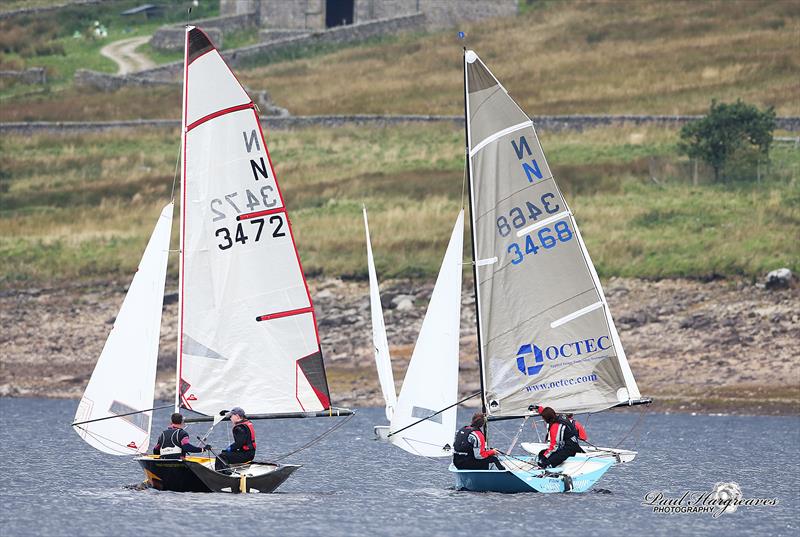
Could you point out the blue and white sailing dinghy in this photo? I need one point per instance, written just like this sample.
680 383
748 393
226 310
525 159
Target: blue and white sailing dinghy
416 424
247 331
545 332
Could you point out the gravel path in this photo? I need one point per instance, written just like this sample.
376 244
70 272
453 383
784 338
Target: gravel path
125 55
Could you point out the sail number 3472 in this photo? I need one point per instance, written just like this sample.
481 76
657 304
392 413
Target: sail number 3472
242 234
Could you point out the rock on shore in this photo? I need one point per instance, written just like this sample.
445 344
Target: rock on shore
724 345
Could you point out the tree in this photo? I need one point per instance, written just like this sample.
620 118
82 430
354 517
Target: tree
728 130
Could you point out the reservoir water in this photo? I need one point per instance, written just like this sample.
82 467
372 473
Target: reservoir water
56 485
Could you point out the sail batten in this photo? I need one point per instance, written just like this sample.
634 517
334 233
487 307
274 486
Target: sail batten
545 332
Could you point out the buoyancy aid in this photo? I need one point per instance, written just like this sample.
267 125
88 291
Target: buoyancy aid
562 434
462 447
170 442
250 444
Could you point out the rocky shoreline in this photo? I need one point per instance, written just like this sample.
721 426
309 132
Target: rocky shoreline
721 346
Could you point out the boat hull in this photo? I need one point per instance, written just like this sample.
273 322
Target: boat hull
576 474
381 432
253 477
197 474
172 474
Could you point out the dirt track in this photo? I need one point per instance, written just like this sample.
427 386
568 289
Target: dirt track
719 346
125 55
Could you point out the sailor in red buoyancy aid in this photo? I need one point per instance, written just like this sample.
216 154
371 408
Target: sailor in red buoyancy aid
469 447
563 436
243 448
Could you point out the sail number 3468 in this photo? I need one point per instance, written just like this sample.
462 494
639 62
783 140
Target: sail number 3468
545 240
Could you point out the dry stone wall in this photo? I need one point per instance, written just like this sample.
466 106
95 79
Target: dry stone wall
547 123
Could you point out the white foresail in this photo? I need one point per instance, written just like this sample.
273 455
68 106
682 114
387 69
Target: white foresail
124 378
248 334
383 360
546 334
431 381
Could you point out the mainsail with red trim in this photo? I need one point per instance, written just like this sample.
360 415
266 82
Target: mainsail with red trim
248 334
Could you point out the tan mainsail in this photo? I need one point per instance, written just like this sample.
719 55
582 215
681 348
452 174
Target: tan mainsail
545 329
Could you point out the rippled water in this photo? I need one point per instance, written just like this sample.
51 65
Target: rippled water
54 484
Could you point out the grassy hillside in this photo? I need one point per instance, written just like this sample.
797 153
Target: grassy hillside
555 58
82 207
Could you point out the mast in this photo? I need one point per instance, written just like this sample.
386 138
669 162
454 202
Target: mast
472 238
179 346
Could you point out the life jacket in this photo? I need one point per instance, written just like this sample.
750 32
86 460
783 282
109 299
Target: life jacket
461 444
170 443
567 435
251 444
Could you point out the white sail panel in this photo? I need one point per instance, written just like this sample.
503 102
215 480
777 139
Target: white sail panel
380 343
249 335
214 87
123 380
431 382
546 334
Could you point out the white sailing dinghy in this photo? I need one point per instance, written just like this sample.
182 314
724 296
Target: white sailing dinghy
545 332
431 381
247 327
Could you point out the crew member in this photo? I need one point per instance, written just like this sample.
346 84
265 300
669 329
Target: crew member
469 447
563 438
243 448
173 443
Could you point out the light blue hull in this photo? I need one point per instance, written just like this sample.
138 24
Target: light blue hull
577 474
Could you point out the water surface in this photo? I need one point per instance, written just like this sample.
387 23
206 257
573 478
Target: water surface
54 484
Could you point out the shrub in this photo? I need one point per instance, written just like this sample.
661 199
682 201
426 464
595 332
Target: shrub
730 132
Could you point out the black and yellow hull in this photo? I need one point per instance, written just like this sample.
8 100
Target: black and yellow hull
172 474
197 474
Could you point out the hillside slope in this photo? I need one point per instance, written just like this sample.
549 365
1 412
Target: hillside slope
556 58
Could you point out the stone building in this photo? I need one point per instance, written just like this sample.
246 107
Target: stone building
322 14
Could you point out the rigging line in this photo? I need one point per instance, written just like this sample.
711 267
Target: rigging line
175 175
636 424
315 440
434 414
119 415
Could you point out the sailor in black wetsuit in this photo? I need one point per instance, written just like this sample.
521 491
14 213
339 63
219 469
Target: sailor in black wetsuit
563 439
469 447
243 448
174 443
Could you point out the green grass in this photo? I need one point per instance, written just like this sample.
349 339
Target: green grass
638 57
78 207
46 40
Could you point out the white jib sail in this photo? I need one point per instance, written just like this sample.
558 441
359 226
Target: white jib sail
383 360
248 334
124 378
431 382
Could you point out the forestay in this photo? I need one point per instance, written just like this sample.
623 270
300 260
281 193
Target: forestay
124 377
380 343
248 328
431 381
546 332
